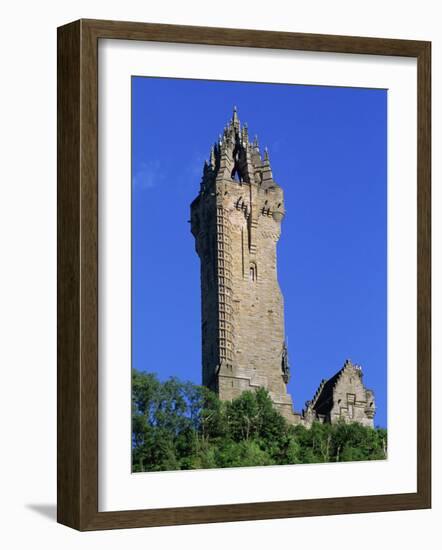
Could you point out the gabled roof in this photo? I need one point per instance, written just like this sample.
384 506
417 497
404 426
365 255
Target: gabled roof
322 401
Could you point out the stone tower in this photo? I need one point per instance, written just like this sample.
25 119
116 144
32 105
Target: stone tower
236 221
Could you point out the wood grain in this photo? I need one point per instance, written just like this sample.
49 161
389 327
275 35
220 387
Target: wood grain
68 277
77 226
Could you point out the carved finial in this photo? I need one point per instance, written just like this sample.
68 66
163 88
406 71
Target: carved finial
235 119
245 134
285 367
212 157
266 154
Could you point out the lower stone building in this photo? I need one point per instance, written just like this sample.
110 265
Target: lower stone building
343 397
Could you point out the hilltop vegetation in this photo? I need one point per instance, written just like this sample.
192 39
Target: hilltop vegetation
181 426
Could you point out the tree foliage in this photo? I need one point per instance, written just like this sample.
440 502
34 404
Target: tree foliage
181 426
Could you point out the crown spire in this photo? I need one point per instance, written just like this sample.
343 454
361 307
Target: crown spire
235 156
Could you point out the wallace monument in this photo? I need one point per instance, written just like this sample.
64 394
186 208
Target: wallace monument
236 221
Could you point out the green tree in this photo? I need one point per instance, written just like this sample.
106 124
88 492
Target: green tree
180 426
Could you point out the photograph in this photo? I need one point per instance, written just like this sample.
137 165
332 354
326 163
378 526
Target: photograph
259 274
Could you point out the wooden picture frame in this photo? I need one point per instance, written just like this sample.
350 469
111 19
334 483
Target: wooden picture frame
78 274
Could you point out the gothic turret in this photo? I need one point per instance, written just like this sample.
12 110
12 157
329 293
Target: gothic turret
233 156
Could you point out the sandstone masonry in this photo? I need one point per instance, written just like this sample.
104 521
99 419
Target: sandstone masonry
342 397
236 221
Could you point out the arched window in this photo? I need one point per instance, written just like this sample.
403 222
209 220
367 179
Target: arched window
253 273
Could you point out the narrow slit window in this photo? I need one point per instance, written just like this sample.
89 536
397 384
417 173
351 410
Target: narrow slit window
253 273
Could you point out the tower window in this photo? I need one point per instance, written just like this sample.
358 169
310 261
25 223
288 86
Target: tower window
351 412
253 274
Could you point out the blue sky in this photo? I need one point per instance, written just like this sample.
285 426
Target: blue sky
328 150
